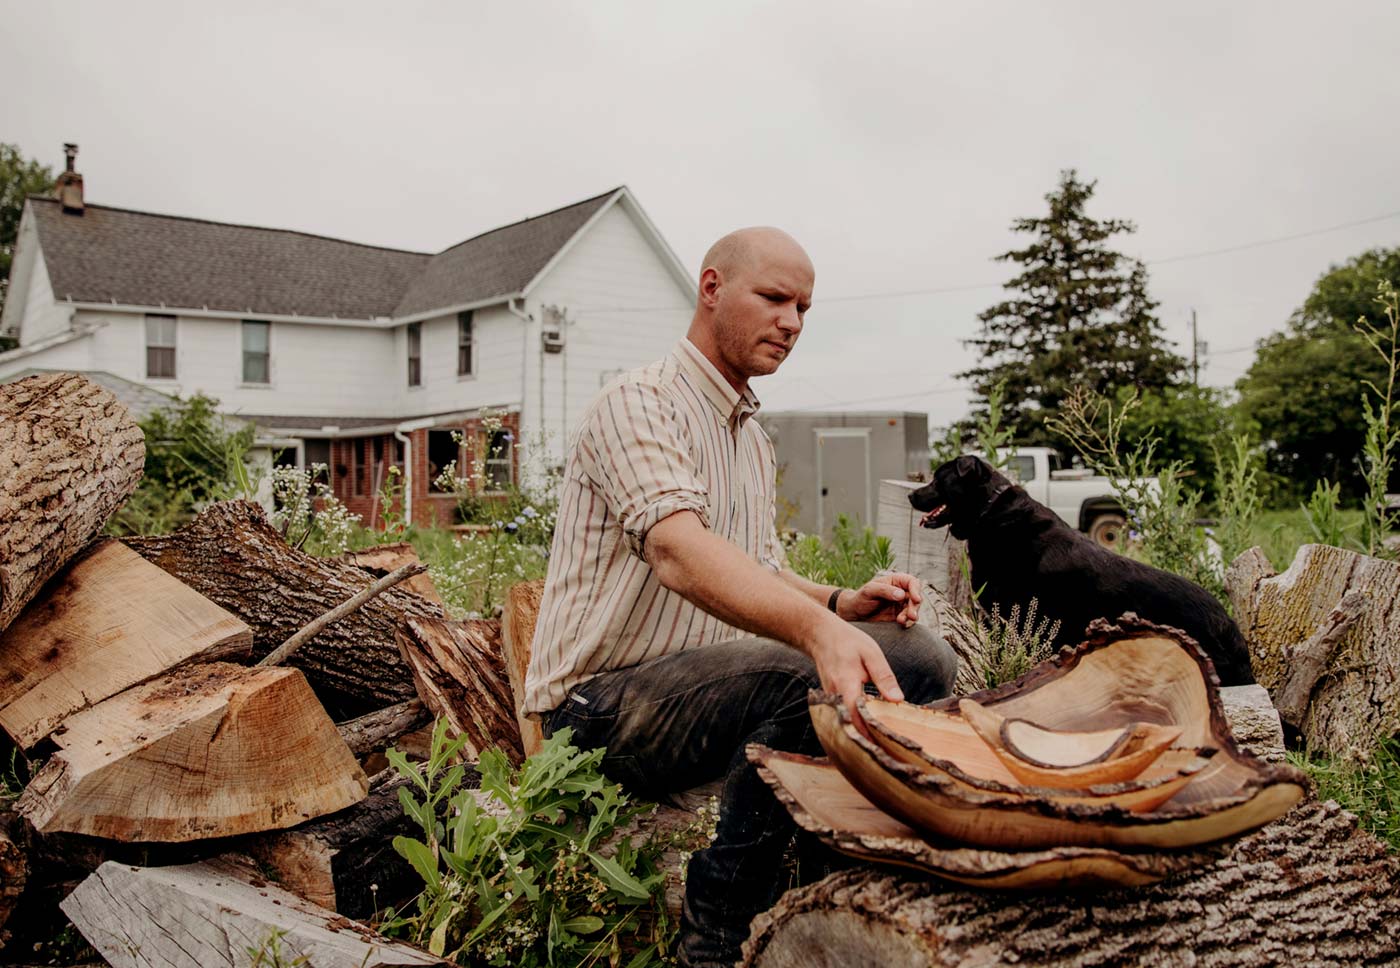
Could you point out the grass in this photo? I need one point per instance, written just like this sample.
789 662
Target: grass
1281 532
1370 790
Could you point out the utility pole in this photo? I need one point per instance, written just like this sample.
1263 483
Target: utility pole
1195 345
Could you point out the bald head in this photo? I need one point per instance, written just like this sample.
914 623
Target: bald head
755 287
744 249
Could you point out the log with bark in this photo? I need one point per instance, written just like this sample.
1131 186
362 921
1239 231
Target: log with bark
211 750
382 559
109 620
70 454
232 556
219 913
1324 639
346 862
379 729
1309 890
460 676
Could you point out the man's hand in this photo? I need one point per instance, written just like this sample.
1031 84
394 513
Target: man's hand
846 659
894 597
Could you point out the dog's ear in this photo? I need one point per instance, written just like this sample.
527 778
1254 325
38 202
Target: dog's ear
973 468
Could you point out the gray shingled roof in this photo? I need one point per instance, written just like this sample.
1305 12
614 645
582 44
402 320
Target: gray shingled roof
497 263
140 399
141 259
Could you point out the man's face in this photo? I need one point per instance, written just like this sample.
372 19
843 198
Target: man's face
760 309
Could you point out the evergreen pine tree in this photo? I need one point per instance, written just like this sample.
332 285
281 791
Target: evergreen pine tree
1080 316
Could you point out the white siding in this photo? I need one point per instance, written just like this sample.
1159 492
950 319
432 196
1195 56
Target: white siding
612 266
330 371
495 380
30 307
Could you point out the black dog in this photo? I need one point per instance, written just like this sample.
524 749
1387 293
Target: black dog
1020 550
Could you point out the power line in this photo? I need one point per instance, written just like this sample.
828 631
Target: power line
1273 241
973 287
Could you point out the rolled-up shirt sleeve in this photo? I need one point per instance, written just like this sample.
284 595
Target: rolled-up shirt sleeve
634 450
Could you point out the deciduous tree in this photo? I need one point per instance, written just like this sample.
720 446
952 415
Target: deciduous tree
1305 386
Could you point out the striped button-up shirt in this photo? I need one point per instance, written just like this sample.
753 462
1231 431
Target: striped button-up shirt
673 436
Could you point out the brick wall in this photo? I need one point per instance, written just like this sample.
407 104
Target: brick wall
358 463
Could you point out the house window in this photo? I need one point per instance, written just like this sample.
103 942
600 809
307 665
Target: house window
500 467
464 343
256 352
160 347
415 354
443 449
359 466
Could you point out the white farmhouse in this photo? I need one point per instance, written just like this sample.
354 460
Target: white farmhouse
352 355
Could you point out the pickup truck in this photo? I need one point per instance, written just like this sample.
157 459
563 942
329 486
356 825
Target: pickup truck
1081 498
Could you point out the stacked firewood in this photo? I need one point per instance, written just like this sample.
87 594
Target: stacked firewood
213 700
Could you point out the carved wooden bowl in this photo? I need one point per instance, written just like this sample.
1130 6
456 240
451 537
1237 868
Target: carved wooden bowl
824 803
928 768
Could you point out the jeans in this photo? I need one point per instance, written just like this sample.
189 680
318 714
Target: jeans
681 720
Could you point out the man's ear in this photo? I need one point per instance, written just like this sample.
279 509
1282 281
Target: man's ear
710 284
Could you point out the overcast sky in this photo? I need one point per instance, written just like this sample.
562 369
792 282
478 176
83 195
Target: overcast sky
896 141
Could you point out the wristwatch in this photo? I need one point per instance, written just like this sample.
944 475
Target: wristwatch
835 594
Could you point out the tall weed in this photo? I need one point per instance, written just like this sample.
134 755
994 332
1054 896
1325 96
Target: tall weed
1382 428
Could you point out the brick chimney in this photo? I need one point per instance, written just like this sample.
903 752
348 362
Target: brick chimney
69 185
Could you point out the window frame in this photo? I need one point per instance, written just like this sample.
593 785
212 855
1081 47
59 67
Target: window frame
488 484
414 337
266 354
172 347
466 343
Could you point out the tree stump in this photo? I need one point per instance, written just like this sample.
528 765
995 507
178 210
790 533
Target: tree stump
1309 890
1331 615
70 454
232 556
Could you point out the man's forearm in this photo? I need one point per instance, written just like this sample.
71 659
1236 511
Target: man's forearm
717 576
820 594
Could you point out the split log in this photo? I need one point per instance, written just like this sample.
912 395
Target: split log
70 454
1311 889
382 559
108 621
1356 700
218 913
376 730
517 635
231 555
346 862
460 676
212 750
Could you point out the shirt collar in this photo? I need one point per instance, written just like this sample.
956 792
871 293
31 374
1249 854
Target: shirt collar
735 407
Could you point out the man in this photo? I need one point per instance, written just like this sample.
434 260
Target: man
666 548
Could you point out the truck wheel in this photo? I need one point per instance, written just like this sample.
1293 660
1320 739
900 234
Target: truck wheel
1109 530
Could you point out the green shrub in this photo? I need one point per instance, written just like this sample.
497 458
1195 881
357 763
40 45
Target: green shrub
849 560
193 459
541 876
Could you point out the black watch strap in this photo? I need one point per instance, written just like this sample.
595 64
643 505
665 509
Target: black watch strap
831 602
